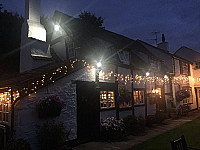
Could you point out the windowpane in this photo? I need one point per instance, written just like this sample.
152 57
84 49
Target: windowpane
1 116
107 99
111 102
103 99
138 96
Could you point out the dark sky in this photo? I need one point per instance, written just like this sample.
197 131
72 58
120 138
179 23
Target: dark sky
136 19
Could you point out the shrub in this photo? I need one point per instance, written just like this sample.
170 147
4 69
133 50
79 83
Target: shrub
19 144
51 135
50 107
182 94
134 125
160 117
150 120
112 129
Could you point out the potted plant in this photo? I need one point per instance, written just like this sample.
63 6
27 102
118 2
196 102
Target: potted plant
170 99
124 95
51 136
173 113
50 107
182 94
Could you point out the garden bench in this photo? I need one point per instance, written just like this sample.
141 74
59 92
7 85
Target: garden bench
180 144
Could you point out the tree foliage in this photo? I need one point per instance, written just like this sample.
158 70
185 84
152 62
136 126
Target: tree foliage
91 18
10 35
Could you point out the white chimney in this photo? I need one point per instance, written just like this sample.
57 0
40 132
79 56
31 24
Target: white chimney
32 16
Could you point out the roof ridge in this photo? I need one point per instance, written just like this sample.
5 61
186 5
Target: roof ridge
161 50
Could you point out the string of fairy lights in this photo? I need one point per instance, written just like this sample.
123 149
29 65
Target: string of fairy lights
47 78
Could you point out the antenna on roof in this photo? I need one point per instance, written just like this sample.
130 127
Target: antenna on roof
156 36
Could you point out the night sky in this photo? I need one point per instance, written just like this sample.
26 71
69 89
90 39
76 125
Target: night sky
179 20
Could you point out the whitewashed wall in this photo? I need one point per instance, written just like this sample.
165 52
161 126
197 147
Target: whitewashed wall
26 119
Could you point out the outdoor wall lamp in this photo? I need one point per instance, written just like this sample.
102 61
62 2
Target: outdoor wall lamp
147 74
165 76
99 65
56 27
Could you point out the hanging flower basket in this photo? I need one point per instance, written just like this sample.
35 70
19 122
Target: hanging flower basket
124 95
182 94
50 107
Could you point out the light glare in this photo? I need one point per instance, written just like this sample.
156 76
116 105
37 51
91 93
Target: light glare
98 64
56 27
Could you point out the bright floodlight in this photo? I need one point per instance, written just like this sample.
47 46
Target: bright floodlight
56 27
98 64
165 76
147 74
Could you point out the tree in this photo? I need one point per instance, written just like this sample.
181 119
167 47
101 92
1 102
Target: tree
91 18
10 36
1 7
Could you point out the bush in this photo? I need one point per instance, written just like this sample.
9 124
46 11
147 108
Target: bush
51 136
19 144
134 125
50 107
150 120
160 117
112 129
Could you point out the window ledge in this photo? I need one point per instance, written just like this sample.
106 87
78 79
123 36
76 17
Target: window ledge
138 105
107 109
125 108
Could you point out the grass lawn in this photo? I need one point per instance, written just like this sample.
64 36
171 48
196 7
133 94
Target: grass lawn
190 130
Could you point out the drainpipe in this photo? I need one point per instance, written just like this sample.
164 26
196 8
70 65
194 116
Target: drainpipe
12 113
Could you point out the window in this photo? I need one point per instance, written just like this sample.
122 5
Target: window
4 106
138 96
189 99
184 68
196 65
126 102
71 50
155 64
107 99
124 57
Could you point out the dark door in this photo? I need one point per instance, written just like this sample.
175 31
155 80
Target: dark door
88 111
2 136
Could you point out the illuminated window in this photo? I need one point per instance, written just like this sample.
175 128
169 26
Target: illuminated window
138 97
4 103
107 99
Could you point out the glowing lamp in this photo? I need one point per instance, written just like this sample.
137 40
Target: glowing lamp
99 64
56 27
147 74
165 76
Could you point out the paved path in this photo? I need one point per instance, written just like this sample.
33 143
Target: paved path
133 140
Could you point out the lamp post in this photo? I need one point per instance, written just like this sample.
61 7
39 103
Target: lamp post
98 67
145 84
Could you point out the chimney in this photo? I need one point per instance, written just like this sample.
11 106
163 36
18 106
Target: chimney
163 45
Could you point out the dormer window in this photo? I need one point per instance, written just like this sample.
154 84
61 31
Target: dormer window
71 51
184 68
124 57
196 65
155 64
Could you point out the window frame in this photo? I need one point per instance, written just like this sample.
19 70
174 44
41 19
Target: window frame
107 100
143 90
184 70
